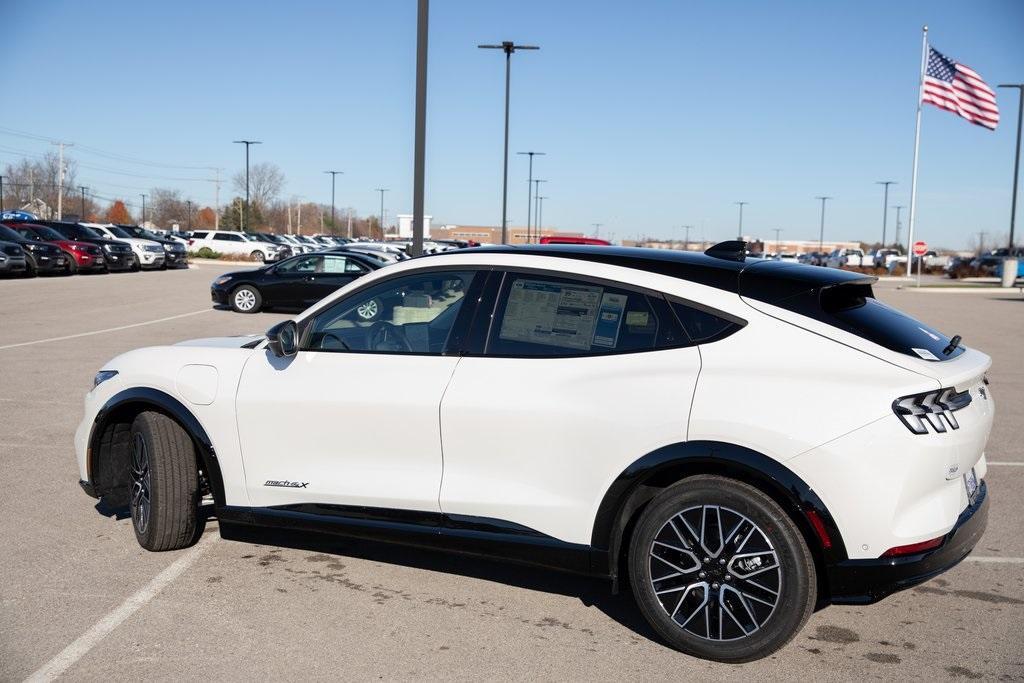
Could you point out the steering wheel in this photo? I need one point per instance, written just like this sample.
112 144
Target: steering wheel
385 336
331 342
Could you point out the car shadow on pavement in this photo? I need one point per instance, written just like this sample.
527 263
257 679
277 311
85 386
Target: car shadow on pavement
592 592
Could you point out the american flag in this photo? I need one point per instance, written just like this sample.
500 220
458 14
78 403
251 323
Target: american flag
959 89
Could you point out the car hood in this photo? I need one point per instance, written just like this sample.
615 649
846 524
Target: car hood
236 342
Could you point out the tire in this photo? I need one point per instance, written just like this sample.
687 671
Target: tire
164 490
246 299
370 310
258 256
666 546
30 269
72 266
136 266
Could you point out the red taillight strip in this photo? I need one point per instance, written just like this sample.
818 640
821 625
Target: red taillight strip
914 548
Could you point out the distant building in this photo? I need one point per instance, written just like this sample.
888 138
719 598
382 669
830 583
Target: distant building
486 234
405 226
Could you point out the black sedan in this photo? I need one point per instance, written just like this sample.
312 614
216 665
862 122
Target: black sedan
295 283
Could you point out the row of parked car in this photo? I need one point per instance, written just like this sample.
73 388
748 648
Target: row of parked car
40 247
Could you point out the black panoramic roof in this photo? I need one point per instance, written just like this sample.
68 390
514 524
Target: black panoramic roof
767 280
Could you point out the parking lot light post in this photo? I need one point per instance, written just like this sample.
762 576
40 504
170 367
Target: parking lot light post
245 211
334 174
885 205
540 214
1016 162
382 190
529 195
142 223
188 214
741 205
508 47
821 233
536 194
777 232
896 239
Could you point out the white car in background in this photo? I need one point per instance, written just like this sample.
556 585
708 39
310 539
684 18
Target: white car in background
238 243
297 247
854 258
753 439
148 254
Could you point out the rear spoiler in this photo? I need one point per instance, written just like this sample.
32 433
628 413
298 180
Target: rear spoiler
799 287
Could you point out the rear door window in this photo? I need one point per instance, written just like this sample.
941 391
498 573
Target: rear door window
545 316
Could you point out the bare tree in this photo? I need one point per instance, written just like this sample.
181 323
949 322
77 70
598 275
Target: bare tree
168 207
28 180
266 181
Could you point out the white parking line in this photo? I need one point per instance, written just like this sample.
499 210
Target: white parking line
995 560
1007 464
88 640
109 329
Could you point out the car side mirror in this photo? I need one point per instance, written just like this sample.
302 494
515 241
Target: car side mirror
283 339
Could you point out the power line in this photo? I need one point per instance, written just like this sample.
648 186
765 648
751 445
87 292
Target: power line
99 152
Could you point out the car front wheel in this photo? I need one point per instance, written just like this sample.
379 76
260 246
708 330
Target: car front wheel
246 299
720 570
258 256
164 493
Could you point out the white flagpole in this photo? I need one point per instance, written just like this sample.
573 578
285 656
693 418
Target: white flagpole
917 145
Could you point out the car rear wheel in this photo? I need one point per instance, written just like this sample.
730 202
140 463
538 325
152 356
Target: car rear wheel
246 299
720 570
258 256
164 493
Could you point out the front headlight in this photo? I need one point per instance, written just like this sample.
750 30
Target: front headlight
936 407
222 280
102 376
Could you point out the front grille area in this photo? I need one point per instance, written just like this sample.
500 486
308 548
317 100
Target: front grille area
12 250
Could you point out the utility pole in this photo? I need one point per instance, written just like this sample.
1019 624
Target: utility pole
83 188
540 214
536 193
741 205
529 196
216 201
60 178
686 244
420 126
597 229
885 205
981 242
333 176
298 216
508 47
1016 161
897 239
188 204
1 193
821 234
245 214
777 231
142 223
382 190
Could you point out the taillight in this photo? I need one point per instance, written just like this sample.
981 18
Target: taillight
935 407
914 548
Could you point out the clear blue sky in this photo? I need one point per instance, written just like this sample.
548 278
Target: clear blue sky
652 114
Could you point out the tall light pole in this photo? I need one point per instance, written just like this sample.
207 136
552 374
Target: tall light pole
897 238
334 174
420 125
1016 162
741 205
142 223
597 229
508 47
529 186
821 233
540 213
536 194
245 213
885 205
382 190
777 231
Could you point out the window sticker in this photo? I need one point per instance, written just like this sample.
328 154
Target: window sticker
334 264
609 320
637 318
556 314
925 353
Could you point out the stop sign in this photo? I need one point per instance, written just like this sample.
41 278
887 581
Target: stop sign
920 248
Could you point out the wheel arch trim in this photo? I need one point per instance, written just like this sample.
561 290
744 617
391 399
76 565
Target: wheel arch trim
150 398
642 479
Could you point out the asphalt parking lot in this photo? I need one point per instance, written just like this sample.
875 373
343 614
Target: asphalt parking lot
79 598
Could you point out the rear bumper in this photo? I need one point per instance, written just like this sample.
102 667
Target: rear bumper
860 582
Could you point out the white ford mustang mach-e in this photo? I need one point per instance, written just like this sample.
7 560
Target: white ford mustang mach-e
744 441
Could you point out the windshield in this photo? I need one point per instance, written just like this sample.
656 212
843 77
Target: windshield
47 233
118 232
85 232
9 235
